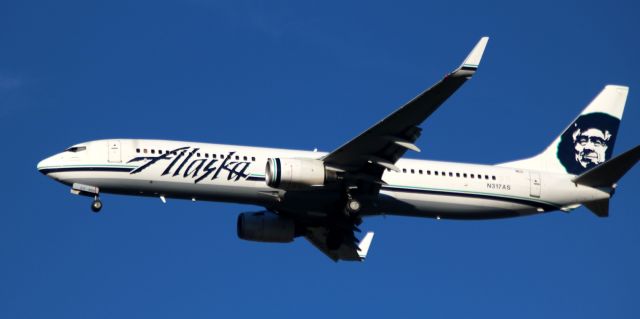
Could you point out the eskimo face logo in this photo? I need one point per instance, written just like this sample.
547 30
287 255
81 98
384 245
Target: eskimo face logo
588 142
590 146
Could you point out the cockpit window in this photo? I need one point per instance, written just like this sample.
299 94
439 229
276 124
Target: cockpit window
76 149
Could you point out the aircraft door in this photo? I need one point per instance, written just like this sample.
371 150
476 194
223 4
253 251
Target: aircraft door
536 184
114 151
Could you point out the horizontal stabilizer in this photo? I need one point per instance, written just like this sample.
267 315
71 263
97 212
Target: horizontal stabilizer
609 172
599 207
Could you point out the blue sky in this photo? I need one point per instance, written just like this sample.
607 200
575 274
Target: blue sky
305 75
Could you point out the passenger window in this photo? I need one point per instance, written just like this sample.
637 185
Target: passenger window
237 157
413 171
206 155
153 151
253 159
420 172
137 150
145 151
428 172
493 177
464 175
213 155
450 174
443 173
472 176
221 156
486 177
198 154
435 173
404 170
244 158
457 174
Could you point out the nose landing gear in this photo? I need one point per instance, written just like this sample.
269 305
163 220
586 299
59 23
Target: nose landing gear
88 190
96 205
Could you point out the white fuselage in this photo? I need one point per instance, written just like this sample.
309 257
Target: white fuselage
230 173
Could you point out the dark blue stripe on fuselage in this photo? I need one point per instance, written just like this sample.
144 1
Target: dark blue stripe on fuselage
85 169
546 207
46 171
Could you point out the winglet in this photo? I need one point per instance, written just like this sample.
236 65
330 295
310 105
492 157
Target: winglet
365 243
470 64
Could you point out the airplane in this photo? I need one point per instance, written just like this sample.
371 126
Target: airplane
325 196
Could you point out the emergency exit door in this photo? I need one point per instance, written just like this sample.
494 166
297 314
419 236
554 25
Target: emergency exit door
114 151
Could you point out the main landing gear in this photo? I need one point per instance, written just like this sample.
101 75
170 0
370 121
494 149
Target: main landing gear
353 206
342 226
352 210
96 205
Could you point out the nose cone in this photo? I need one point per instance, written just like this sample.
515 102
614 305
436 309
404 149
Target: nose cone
43 165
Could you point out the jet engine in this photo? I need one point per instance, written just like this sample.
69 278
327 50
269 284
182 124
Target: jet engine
266 227
297 173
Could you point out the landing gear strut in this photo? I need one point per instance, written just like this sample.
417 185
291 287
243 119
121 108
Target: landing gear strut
96 205
341 226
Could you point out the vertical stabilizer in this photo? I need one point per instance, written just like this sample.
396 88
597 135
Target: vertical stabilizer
589 139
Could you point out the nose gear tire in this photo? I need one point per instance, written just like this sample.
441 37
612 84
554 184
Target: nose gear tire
96 206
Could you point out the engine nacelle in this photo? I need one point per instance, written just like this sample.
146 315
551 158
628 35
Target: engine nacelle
266 227
297 173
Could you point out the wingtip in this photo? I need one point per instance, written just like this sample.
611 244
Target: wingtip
471 63
365 243
473 59
619 88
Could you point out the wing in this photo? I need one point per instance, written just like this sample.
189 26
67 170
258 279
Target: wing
348 250
379 147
